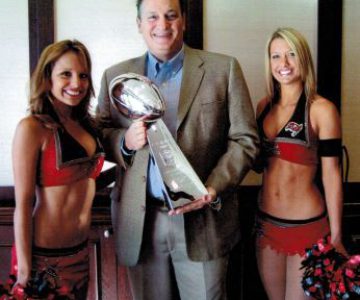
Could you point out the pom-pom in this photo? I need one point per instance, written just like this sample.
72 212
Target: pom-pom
329 274
41 286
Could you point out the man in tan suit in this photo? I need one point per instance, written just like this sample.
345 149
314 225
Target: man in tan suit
183 252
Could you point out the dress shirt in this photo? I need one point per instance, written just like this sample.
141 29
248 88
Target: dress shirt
167 76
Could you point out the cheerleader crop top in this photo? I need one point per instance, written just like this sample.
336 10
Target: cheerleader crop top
296 141
64 160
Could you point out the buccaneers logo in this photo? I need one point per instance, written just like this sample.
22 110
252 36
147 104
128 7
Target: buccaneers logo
294 128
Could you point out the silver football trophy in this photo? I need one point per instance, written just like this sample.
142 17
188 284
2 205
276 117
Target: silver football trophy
136 96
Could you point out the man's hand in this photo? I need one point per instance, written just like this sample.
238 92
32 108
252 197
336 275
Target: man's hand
135 136
196 204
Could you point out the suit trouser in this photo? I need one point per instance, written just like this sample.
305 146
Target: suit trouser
165 271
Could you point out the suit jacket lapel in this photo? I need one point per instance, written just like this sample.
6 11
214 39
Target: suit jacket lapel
191 79
138 66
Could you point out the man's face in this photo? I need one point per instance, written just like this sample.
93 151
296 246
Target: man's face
162 27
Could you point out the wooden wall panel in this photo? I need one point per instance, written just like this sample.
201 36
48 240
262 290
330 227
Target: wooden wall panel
6 241
41 28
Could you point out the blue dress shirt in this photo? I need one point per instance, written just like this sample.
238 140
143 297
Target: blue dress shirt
167 76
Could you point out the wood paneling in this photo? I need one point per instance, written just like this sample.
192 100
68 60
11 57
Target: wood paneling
329 49
194 24
6 241
41 28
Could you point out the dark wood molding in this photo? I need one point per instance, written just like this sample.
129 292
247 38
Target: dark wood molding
329 49
194 23
100 216
6 216
41 28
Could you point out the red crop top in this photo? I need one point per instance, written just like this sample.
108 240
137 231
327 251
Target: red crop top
296 141
64 161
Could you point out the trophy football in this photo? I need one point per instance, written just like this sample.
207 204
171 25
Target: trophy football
136 96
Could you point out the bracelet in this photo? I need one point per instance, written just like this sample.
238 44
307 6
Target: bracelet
216 204
125 151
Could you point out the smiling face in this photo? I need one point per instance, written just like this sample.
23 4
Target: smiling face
284 63
162 25
69 79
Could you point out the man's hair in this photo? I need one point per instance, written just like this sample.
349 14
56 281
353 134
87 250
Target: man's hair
139 3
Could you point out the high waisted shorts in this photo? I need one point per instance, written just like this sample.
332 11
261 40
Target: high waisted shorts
66 270
289 237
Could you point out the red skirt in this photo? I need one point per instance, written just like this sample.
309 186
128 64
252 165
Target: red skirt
289 237
65 270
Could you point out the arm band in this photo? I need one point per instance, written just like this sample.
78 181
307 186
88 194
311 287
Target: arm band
330 147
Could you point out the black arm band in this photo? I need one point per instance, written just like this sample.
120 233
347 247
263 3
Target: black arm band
330 147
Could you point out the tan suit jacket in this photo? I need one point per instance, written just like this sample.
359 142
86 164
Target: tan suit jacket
217 132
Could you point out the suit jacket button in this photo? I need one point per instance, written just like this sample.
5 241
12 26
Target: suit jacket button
144 178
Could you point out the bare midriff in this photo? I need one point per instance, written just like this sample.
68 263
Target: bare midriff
62 215
289 191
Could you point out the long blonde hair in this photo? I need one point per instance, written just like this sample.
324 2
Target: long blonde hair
299 45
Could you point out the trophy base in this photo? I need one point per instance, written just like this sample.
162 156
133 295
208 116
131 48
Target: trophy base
173 204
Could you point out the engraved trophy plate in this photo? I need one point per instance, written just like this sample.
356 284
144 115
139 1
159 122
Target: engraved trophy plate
136 96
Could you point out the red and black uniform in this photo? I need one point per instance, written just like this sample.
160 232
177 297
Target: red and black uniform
297 143
63 161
